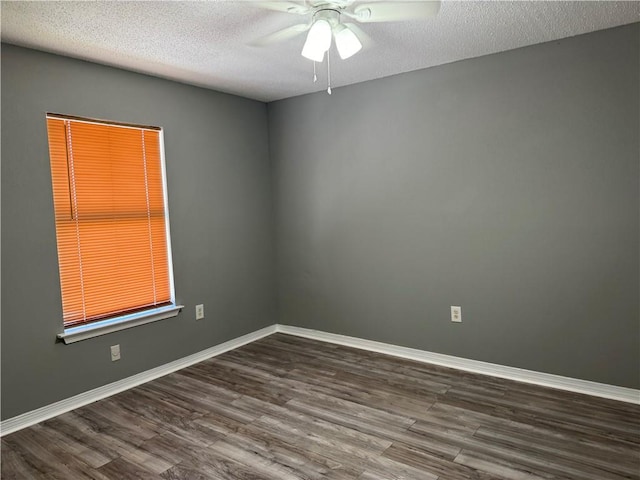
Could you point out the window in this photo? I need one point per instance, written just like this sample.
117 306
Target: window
112 225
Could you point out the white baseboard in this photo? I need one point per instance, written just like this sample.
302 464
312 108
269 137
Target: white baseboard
49 411
603 390
537 378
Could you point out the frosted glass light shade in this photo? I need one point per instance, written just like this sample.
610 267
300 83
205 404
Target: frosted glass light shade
347 42
318 41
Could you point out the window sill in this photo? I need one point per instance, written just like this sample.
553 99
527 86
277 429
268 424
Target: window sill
83 332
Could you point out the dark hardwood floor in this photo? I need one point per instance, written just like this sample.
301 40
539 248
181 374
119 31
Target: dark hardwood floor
288 408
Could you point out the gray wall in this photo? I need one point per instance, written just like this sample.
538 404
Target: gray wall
506 184
220 207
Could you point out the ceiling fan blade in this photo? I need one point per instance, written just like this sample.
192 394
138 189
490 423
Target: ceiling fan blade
286 7
395 11
281 35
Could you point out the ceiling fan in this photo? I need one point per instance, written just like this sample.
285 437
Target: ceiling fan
326 22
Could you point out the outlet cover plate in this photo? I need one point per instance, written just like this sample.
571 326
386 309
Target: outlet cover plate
199 312
456 314
115 352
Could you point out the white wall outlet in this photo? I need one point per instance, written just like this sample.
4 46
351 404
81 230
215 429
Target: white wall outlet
199 312
115 352
456 314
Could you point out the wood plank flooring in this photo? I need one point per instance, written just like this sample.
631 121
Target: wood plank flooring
287 408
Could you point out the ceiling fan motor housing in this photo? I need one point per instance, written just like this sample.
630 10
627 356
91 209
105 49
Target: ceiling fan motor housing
331 15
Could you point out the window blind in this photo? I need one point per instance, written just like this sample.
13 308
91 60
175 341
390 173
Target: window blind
111 219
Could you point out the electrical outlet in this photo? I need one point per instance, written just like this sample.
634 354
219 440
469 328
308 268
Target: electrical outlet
115 352
199 312
456 314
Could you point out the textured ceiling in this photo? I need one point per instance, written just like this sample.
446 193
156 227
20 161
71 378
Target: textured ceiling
208 43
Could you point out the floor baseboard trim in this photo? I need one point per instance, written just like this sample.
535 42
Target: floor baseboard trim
613 392
49 411
603 390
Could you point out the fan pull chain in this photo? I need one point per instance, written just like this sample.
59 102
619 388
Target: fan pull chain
328 73
315 77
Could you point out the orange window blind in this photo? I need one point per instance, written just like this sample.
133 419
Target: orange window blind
111 221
